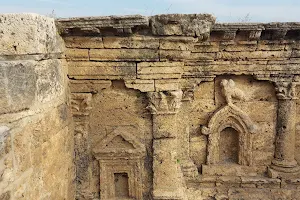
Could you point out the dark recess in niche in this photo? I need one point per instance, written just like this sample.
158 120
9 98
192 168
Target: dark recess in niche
121 185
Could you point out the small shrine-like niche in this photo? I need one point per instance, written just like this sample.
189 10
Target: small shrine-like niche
230 132
121 158
229 146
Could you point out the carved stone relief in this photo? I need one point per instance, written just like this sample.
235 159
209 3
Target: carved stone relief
164 102
230 116
81 107
120 157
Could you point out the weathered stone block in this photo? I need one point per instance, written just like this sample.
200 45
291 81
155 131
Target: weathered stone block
19 85
206 47
238 46
265 45
173 55
84 42
28 34
124 55
258 55
50 81
180 24
177 43
88 86
136 42
102 70
77 54
142 85
159 70
166 85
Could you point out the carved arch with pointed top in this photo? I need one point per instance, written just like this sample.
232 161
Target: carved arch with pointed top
233 117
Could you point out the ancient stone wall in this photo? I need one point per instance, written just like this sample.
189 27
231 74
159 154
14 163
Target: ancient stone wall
178 107
163 107
36 136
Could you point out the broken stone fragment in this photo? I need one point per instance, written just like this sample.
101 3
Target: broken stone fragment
198 25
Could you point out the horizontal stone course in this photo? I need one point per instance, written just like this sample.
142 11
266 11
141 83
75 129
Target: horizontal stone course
136 42
123 55
102 70
159 70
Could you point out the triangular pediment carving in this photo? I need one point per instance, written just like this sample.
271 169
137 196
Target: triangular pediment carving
119 141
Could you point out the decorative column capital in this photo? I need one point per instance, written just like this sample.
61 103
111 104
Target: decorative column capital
166 102
81 104
285 90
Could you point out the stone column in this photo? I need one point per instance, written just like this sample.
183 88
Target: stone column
284 162
167 177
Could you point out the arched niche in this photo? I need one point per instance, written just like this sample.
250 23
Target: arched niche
229 146
230 116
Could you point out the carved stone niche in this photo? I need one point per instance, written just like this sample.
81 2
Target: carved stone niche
229 150
120 157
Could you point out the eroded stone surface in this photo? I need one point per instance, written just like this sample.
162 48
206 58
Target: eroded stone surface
164 107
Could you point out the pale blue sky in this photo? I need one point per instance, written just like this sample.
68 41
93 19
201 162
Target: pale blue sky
224 10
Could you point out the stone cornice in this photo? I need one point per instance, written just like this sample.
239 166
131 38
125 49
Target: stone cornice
256 31
199 25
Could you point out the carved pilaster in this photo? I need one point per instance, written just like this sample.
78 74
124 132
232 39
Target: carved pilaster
167 175
81 107
284 162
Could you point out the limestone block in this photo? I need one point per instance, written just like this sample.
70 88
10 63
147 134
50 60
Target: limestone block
28 34
102 70
273 55
206 47
166 84
88 86
77 54
50 80
159 70
87 25
135 42
84 42
18 80
253 193
181 24
265 45
142 85
173 55
177 43
232 170
124 55
238 46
